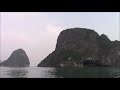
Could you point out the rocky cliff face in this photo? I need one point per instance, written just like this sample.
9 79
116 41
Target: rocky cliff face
17 59
81 47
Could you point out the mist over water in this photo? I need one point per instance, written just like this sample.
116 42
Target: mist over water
47 72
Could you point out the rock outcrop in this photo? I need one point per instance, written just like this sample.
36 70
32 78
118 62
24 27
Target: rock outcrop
83 47
18 58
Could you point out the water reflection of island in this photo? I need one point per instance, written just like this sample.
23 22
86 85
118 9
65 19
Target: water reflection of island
97 72
18 73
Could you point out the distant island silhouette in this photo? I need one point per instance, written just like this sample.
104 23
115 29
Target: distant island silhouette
18 58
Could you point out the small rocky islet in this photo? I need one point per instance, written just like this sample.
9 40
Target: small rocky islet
18 58
76 47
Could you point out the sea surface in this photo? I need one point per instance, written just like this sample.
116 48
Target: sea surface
48 72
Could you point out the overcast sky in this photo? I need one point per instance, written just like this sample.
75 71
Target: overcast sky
37 32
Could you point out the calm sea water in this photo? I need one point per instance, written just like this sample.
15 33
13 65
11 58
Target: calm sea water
45 72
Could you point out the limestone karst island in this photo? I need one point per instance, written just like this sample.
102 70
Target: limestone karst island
18 58
83 47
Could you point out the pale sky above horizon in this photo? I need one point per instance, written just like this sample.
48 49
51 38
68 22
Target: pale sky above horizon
37 32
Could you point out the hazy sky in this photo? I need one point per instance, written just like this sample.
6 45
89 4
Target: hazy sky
37 32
